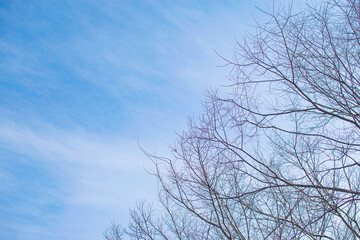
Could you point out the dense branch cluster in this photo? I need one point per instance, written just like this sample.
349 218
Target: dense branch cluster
278 156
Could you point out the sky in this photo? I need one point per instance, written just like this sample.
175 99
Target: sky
82 85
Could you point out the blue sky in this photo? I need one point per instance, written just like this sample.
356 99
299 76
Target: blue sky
80 83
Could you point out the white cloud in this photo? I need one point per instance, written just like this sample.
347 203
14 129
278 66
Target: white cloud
99 177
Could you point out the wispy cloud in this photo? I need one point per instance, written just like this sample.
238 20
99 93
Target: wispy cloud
93 173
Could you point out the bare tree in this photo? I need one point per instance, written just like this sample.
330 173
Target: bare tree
114 232
278 156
